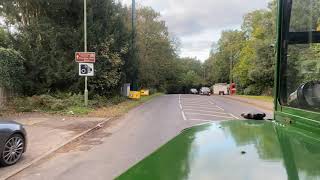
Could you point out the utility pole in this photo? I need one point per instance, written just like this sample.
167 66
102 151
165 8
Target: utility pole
231 67
85 50
232 60
133 48
133 22
204 73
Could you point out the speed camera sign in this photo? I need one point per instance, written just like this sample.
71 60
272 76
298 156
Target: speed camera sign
86 69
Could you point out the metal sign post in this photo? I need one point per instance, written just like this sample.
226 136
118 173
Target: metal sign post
85 50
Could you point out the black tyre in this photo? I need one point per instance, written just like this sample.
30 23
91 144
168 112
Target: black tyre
12 150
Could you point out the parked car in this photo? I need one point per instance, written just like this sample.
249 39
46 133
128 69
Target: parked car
193 91
205 91
13 142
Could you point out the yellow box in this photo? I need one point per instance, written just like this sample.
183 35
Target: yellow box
145 92
134 95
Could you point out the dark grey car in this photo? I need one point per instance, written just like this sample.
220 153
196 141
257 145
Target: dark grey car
13 142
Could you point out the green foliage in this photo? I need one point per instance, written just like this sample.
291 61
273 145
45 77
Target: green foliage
225 56
47 103
4 38
156 52
12 72
48 33
253 90
245 56
102 101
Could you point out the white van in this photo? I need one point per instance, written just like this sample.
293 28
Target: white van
221 89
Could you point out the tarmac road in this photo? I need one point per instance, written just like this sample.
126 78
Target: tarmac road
110 151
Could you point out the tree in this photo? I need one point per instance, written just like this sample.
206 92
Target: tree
226 55
48 33
12 72
156 51
4 39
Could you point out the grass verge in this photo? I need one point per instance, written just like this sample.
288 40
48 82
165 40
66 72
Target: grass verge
262 98
68 104
121 108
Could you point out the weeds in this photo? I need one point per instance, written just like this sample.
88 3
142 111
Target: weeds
67 103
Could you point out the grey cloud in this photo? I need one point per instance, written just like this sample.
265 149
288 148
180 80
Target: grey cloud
189 19
188 16
196 45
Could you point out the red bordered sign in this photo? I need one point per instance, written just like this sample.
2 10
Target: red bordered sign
85 57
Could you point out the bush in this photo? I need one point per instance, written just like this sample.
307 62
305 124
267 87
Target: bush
252 90
12 71
117 99
153 91
62 102
39 103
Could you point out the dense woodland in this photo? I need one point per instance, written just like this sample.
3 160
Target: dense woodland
248 53
38 40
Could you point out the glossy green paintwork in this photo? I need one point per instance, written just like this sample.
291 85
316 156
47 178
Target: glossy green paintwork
233 150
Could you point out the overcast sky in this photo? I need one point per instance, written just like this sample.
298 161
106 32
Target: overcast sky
198 23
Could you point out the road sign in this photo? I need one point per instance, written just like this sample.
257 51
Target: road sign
86 69
85 57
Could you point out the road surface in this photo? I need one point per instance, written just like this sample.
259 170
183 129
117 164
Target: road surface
116 147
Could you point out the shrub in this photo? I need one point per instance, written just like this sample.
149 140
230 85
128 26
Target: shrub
117 99
62 102
12 71
253 90
153 91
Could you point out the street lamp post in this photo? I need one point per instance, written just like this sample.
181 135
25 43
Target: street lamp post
133 48
85 50
231 67
232 59
133 20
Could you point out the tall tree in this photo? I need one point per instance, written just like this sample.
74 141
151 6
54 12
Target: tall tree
156 51
47 33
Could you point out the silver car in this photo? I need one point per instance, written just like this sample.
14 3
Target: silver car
13 142
205 91
193 91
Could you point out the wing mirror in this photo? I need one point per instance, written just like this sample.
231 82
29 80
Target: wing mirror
307 95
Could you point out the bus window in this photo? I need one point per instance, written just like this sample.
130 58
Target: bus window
301 77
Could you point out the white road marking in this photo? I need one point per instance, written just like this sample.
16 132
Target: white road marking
192 99
201 120
183 116
197 101
215 112
209 115
234 116
203 108
180 102
195 104
210 102
220 107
